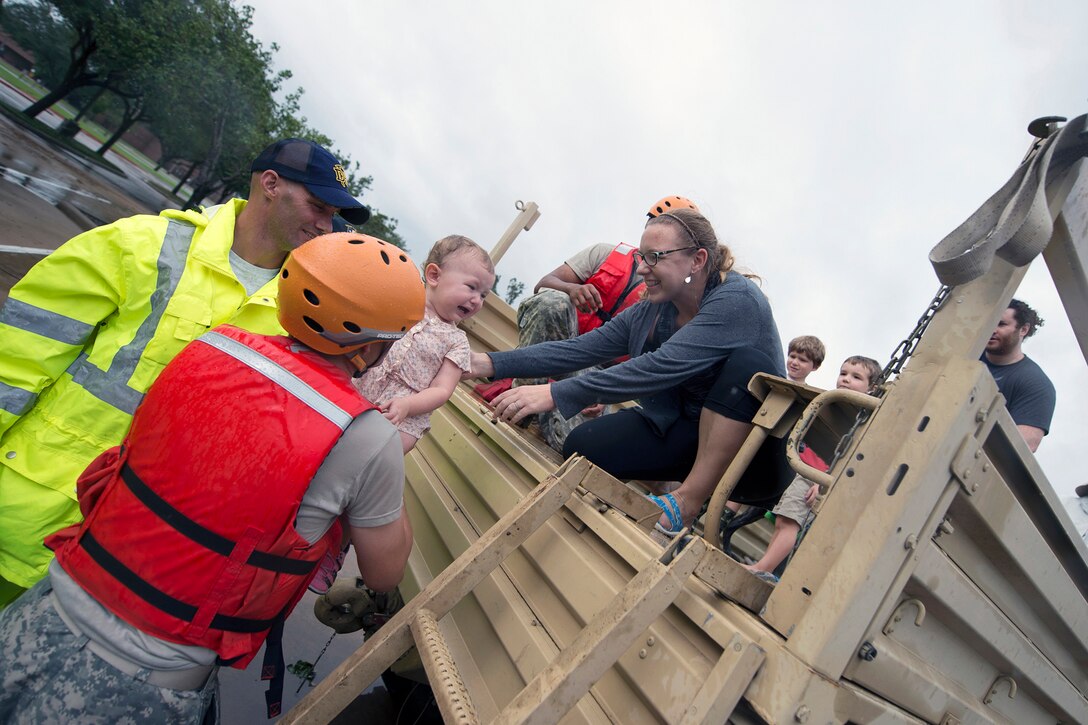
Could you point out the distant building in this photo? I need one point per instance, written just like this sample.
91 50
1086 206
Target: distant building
14 54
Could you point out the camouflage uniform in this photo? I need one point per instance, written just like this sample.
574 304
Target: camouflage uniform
549 315
47 675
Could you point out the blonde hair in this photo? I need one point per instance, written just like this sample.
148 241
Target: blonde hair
446 247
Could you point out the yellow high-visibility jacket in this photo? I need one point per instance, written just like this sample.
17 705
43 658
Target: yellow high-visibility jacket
82 337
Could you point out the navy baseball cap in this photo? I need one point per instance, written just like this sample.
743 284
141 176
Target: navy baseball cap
318 170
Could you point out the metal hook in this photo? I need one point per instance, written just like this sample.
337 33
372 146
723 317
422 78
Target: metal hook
898 614
993 688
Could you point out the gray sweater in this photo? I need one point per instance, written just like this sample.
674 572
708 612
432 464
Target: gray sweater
667 381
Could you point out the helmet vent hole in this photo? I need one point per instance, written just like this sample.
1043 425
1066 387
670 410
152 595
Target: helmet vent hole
356 240
385 257
312 324
403 258
352 327
311 297
403 328
284 274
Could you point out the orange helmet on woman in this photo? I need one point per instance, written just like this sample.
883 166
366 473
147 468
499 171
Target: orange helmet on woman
670 202
340 292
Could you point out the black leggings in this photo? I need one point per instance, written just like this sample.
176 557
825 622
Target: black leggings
628 446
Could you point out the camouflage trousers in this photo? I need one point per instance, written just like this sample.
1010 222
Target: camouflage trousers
546 316
47 675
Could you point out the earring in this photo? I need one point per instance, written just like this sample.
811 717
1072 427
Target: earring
687 280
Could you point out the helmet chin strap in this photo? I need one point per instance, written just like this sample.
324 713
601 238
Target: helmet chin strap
358 359
359 364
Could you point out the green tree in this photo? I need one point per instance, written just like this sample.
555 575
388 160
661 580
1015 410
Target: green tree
514 290
38 29
191 70
111 43
383 227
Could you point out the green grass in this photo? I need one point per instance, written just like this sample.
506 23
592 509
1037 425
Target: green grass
35 91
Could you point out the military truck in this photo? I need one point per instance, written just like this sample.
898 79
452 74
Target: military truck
941 581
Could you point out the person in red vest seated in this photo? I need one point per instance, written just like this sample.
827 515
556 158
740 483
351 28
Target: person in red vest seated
580 295
204 528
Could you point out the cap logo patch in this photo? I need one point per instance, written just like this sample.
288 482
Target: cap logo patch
341 176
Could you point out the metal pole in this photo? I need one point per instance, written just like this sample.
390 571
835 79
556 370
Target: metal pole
525 220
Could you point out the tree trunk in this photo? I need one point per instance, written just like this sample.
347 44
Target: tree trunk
176 189
88 104
52 97
75 77
126 124
197 196
207 168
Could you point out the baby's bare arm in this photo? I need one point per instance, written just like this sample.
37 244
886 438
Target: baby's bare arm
441 388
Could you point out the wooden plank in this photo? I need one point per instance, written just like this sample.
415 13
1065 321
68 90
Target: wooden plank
733 581
726 683
345 683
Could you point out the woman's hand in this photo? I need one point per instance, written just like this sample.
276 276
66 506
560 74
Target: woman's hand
516 403
480 366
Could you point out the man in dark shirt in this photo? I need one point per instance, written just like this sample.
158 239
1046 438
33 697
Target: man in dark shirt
1029 394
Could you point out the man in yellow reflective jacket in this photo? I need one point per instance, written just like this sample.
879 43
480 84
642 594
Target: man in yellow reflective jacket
88 329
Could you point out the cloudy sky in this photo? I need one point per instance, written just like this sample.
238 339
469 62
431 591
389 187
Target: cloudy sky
831 148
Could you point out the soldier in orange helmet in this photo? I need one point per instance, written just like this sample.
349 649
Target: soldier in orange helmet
203 530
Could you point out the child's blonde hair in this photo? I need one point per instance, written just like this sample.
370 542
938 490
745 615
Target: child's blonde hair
446 247
811 346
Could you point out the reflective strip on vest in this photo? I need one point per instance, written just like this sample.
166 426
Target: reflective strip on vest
16 400
111 386
280 376
52 325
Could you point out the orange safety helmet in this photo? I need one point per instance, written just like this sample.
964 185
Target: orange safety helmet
340 292
670 202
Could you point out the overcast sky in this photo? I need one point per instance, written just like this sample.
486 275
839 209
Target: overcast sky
830 148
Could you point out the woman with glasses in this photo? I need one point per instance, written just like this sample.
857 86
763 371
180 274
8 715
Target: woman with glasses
695 340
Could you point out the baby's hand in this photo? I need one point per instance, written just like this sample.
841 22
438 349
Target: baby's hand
395 411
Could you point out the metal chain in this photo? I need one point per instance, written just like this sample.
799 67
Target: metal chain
307 670
898 359
848 437
906 348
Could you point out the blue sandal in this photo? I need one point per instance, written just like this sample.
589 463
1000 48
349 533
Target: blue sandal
667 503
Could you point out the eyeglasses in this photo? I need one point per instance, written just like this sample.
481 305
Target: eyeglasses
652 258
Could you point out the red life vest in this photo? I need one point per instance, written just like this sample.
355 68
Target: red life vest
618 284
190 535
